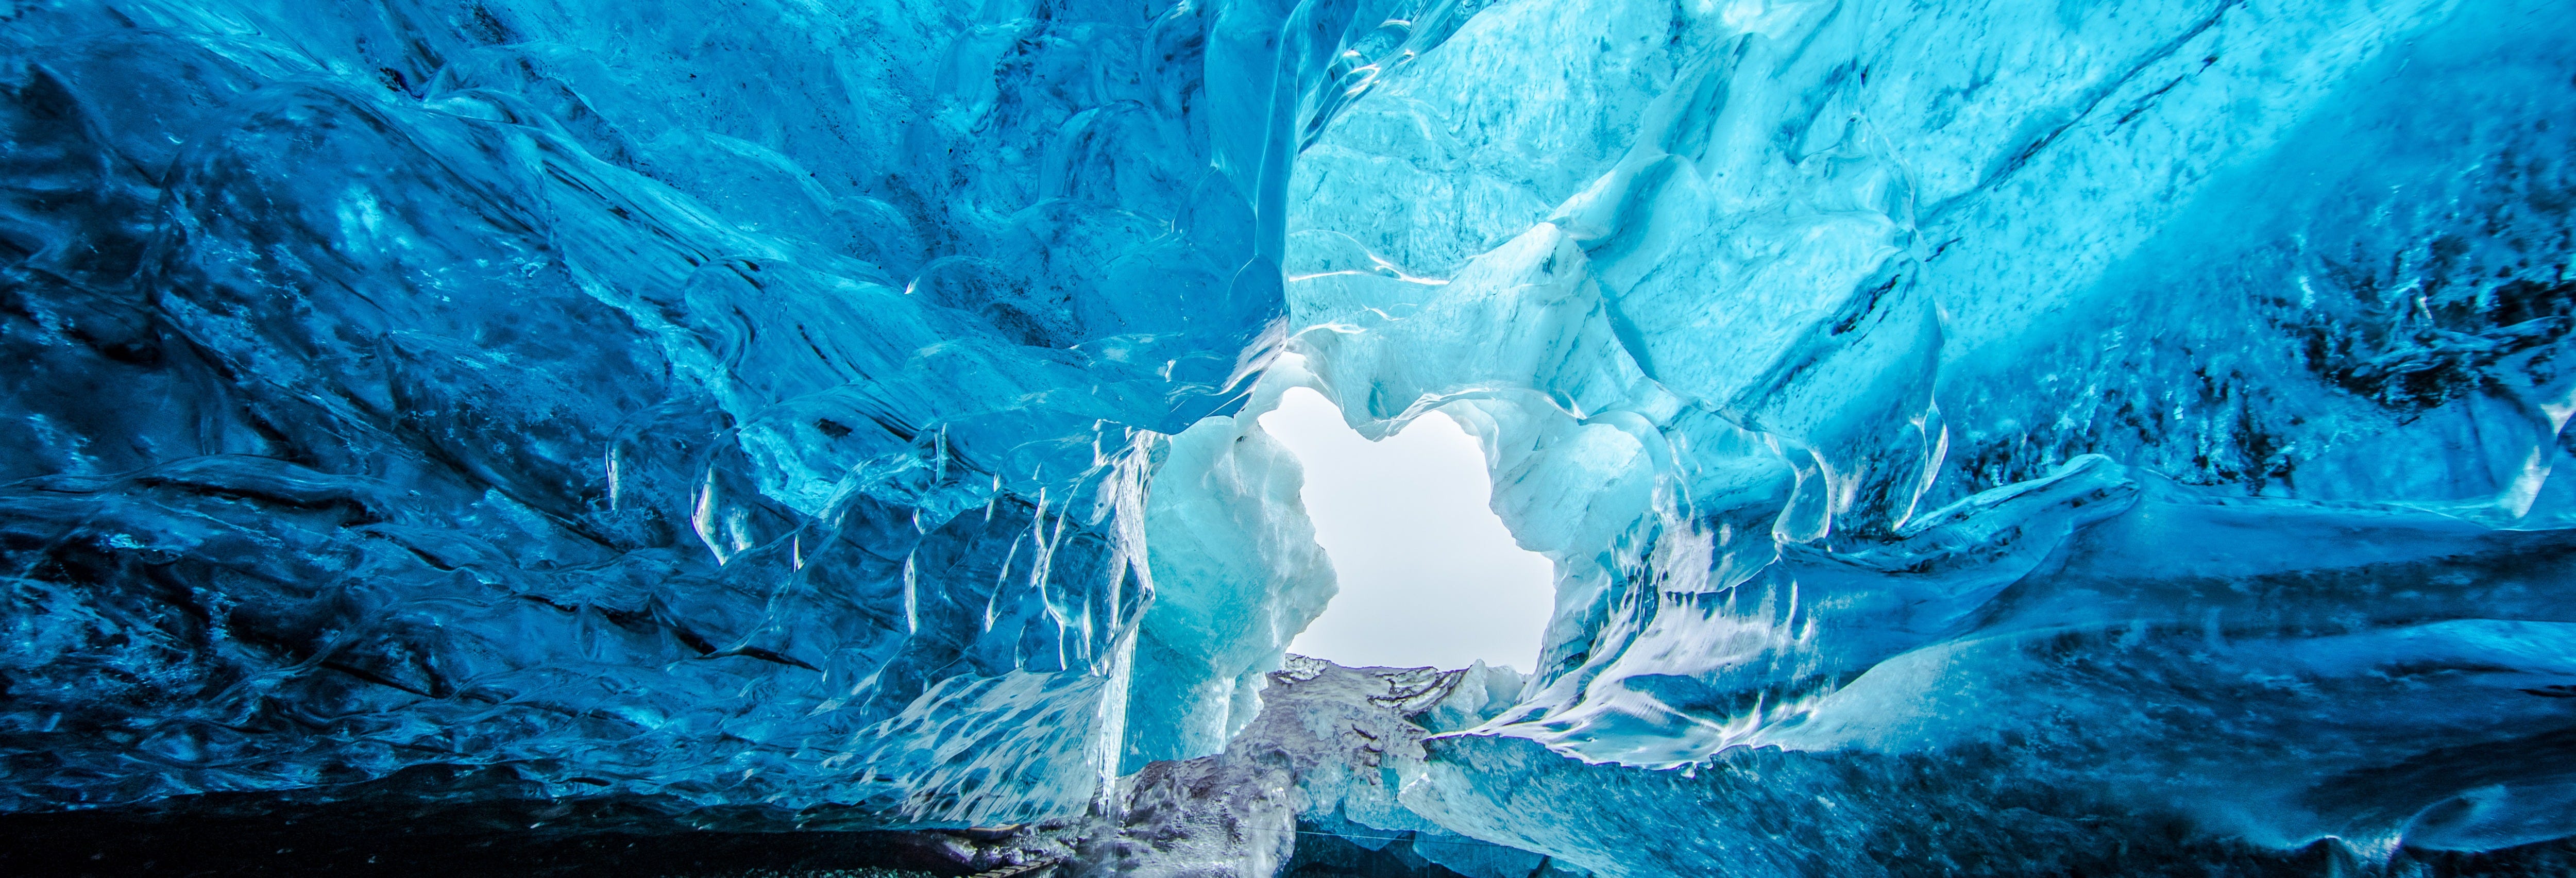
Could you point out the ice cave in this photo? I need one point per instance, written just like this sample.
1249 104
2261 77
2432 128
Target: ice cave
858 437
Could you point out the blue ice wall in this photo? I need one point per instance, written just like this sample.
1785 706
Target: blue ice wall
747 403
1972 436
1971 433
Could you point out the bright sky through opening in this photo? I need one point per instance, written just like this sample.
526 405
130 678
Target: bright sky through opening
1429 576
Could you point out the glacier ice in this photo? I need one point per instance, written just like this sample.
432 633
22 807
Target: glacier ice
741 405
2150 410
1998 438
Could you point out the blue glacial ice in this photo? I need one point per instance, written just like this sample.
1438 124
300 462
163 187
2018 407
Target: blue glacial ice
1994 438
744 405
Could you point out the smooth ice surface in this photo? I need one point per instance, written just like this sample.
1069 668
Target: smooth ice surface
1428 576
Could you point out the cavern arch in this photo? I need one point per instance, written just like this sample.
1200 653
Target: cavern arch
2003 438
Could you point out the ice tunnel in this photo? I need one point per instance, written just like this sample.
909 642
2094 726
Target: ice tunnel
1963 438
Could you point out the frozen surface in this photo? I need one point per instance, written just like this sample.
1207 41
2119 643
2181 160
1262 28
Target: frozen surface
2041 414
2010 436
746 403
1321 766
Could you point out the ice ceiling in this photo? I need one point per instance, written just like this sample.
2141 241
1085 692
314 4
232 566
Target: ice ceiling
1955 426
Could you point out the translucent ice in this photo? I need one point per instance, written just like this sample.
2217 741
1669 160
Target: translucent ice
2037 437
2056 413
747 404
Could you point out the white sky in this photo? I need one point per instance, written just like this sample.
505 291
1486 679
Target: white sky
1428 575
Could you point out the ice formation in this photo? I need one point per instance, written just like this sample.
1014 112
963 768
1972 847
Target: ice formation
2012 437
740 404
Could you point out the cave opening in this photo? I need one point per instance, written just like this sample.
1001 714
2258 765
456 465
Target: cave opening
1429 575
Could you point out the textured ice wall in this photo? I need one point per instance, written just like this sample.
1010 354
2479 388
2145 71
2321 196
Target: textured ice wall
747 403
2017 418
2030 418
